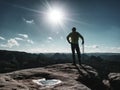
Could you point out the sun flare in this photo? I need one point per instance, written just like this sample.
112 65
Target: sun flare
55 16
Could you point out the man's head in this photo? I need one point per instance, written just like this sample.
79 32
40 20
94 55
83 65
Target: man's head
74 29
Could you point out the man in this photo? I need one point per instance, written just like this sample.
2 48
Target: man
73 39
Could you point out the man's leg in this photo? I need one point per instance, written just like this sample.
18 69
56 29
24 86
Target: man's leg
73 53
78 54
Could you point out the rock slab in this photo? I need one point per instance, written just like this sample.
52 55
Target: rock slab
72 77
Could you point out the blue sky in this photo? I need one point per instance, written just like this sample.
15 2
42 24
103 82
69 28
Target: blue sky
24 25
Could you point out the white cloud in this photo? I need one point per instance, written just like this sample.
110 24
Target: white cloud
95 46
17 38
102 49
2 38
28 21
92 46
47 50
23 35
50 38
21 38
10 43
113 49
30 41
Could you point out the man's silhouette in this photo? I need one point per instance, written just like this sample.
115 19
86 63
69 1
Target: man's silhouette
73 39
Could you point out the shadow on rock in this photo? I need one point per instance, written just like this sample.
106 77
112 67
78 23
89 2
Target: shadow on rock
90 78
114 79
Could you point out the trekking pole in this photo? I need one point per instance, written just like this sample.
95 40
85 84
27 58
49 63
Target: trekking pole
82 52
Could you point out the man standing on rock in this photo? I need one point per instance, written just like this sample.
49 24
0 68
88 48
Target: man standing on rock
73 39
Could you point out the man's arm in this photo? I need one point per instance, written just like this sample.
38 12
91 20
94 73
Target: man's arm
81 38
68 38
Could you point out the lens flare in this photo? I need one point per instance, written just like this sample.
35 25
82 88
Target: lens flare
56 16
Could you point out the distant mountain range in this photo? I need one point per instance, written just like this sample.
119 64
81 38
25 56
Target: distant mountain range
15 60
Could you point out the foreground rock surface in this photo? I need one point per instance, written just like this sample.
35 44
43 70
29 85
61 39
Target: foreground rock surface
73 78
114 79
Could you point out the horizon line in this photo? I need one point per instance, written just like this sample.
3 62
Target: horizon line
59 52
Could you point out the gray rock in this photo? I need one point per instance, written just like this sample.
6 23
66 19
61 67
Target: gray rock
72 78
114 79
7 83
90 78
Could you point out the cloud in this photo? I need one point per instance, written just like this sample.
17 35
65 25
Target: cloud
95 46
113 49
102 49
92 46
10 43
30 41
47 50
16 41
50 38
17 38
28 21
2 38
23 35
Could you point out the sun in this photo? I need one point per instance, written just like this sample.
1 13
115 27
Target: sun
55 15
